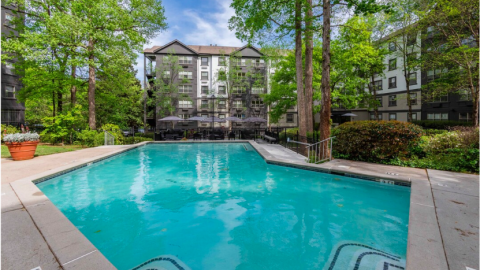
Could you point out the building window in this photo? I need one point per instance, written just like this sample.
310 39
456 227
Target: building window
241 74
392 82
240 62
435 74
222 61
412 78
439 98
437 116
257 103
392 64
392 116
9 91
12 117
185 104
222 104
392 101
411 57
204 104
241 116
379 101
204 61
185 89
372 116
259 63
392 47
9 67
289 117
204 115
257 90
184 59
204 75
185 74
204 90
411 39
9 20
414 116
465 116
184 116
465 95
413 98
238 90
431 31
166 74
238 104
221 116
221 90
378 85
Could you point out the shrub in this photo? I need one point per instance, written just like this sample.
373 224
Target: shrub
458 138
430 132
90 138
8 130
115 131
443 124
132 140
375 140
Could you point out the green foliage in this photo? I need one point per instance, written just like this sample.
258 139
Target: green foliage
443 124
62 126
90 138
430 132
134 140
375 140
115 131
8 130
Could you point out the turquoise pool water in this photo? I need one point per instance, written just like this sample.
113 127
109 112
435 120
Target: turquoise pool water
220 206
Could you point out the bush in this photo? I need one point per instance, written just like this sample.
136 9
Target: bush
115 131
459 138
375 140
8 130
430 132
444 124
132 140
90 138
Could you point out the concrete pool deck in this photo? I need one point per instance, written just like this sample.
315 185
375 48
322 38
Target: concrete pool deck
443 226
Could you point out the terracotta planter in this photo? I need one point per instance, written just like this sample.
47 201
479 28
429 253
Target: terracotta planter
22 150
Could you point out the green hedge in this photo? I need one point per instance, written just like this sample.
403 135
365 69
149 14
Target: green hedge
443 124
375 140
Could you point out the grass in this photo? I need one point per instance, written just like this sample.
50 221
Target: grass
45 149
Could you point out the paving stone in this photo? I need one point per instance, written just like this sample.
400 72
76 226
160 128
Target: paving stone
9 199
23 247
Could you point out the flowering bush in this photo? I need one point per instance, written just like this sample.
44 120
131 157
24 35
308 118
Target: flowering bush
375 140
21 137
459 138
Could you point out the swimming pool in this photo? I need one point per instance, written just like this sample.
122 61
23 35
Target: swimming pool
221 206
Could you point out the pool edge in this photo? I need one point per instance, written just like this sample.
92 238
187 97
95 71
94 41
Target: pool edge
424 246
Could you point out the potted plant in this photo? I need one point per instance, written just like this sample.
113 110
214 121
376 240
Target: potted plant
22 146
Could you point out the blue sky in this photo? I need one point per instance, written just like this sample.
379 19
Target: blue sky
194 22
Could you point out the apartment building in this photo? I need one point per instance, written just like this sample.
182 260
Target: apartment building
13 111
391 87
204 93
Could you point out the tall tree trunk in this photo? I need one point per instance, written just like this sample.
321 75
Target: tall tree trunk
59 102
326 97
374 92
53 103
73 90
309 68
302 124
91 86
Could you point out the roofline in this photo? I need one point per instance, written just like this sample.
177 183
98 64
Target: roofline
171 42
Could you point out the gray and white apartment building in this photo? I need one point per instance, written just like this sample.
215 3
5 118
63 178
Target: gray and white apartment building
392 89
207 95
13 111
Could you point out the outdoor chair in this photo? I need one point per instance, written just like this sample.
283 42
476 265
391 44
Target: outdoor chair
231 135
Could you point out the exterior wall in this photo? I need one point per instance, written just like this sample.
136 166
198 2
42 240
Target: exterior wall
13 111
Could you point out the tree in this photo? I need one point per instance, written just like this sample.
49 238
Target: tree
453 47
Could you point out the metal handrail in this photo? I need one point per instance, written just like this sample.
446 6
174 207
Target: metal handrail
106 133
325 152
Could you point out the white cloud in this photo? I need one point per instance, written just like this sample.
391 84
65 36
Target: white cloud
212 28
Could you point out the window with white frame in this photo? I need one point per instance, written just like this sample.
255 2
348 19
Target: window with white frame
392 47
204 104
221 116
9 91
437 116
372 116
185 104
259 63
392 82
241 62
414 116
290 118
392 116
9 67
412 78
241 74
204 75
185 75
392 101
204 90
413 98
257 90
238 90
221 90
222 61
439 98
433 74
9 20
204 61
465 94
257 103
166 74
185 89
184 59
238 104
222 104
184 116
466 116
204 115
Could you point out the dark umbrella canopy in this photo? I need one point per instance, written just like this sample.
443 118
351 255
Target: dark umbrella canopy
215 119
255 120
196 118
233 119
349 114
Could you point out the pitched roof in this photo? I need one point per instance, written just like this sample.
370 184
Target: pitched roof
201 49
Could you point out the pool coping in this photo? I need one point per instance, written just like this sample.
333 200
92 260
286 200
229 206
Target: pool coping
74 251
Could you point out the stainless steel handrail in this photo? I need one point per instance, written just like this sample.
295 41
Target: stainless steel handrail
325 152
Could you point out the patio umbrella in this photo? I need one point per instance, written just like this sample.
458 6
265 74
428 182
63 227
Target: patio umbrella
215 119
195 118
349 114
171 119
255 120
233 119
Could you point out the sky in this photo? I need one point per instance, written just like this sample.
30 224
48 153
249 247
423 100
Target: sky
194 22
